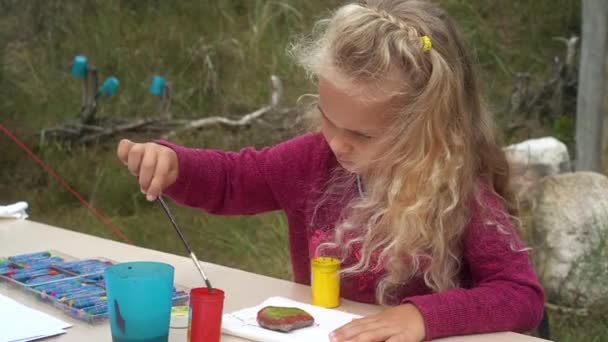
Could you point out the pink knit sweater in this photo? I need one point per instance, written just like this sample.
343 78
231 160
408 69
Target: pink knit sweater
499 289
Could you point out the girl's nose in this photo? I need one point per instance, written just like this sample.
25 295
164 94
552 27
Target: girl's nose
339 146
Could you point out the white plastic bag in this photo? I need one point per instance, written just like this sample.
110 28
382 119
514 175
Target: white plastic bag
16 211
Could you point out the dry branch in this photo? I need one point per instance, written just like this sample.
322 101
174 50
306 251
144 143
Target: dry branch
98 129
276 93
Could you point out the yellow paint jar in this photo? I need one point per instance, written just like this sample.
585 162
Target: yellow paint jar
325 282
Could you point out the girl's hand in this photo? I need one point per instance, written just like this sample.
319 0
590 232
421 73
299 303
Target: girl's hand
402 323
155 165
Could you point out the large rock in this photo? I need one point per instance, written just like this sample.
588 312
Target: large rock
550 154
533 159
570 237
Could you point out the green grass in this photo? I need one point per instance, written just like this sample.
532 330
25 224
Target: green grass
590 328
219 54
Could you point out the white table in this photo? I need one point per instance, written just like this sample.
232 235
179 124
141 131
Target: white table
243 289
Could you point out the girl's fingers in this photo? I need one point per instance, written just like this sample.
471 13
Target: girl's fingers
154 165
147 168
160 179
136 153
364 329
122 151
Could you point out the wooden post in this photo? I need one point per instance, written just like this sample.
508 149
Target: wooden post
89 97
605 132
592 85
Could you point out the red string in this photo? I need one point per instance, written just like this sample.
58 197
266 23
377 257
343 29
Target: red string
64 184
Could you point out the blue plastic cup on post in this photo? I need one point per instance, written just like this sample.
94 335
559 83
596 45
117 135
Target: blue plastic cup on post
79 66
109 86
139 301
157 86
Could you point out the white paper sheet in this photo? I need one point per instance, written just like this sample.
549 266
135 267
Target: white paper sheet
243 323
21 323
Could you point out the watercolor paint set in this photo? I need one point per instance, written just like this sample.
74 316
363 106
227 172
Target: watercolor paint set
75 286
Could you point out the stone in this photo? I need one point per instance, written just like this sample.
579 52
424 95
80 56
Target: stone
570 237
284 319
532 160
550 154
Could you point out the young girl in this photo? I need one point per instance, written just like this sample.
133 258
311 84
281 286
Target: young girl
403 181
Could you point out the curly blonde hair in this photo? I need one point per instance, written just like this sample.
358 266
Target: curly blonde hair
441 144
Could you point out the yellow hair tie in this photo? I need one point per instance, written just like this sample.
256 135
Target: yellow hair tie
426 43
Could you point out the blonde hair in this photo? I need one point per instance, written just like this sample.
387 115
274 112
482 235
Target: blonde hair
418 192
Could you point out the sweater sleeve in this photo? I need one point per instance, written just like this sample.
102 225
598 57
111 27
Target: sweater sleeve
244 182
505 294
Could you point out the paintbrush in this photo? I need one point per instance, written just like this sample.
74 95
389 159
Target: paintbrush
186 244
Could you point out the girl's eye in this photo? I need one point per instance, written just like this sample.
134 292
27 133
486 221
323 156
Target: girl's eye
362 136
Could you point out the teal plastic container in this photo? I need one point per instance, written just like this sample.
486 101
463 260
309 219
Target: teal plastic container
109 86
139 301
157 86
79 67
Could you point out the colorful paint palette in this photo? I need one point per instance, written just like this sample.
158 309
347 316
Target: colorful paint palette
76 286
